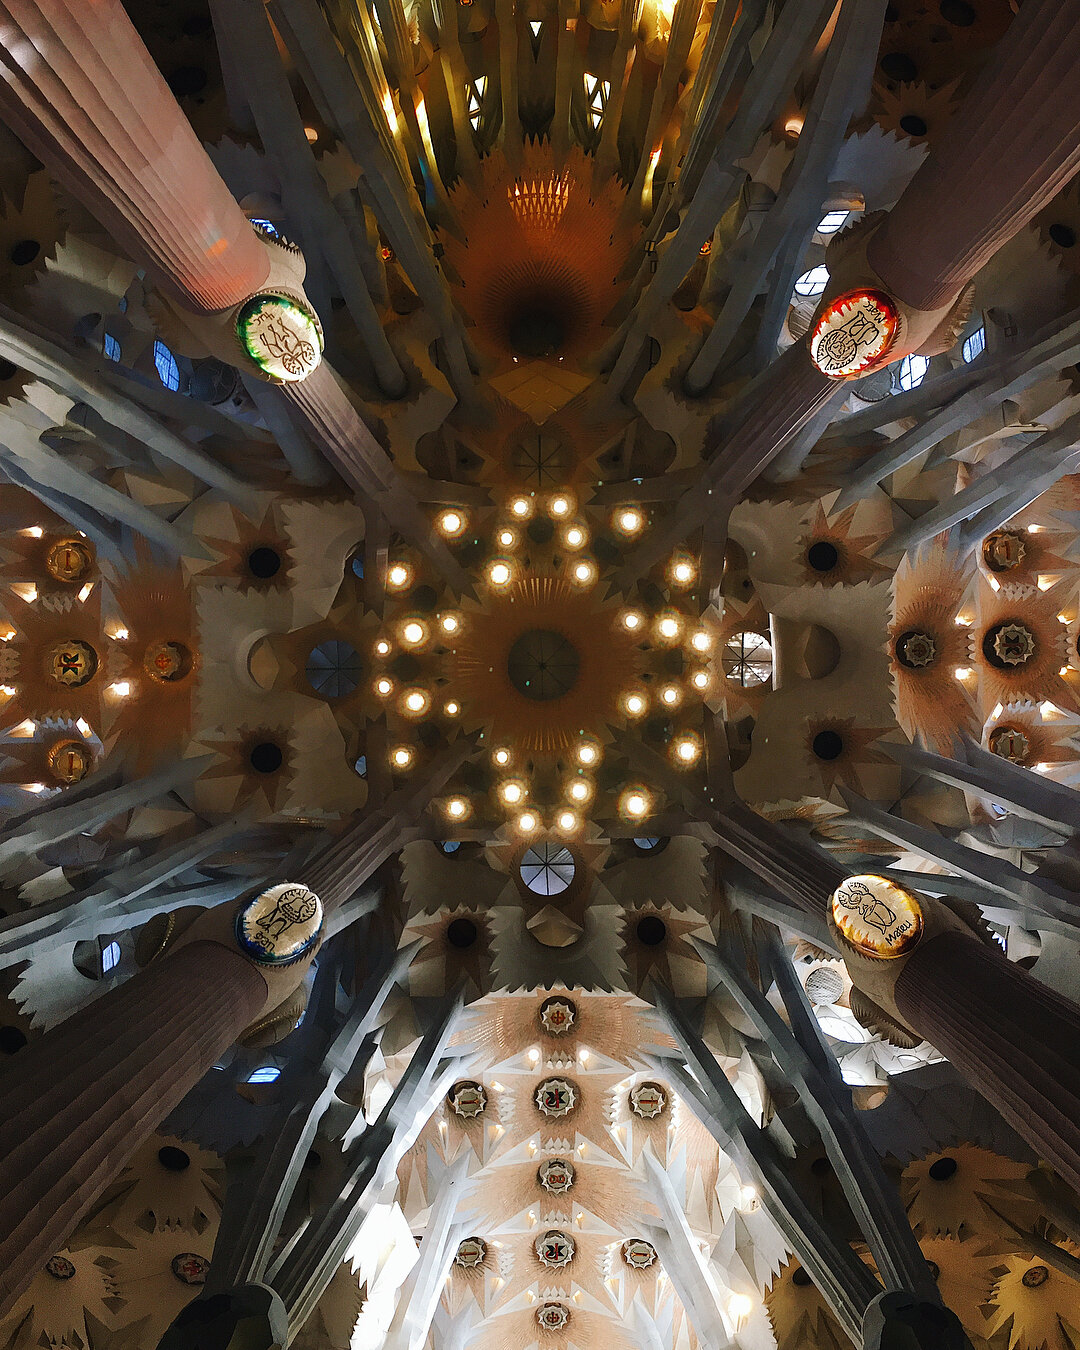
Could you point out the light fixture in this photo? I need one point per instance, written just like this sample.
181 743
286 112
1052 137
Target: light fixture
560 506
668 627
121 688
414 633
701 641
512 792
528 821
962 672
635 704
415 701
382 647
383 686
575 536
580 790
670 694
686 749
700 679
451 523
584 573
457 808
739 1305
401 757
632 620
628 520
588 752
501 757
521 508
635 803
452 708
683 572
398 575
499 573
567 821
506 538
449 623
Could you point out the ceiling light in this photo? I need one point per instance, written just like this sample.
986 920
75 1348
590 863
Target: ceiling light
670 694
700 679
399 575
520 507
452 708
701 641
560 506
668 627
506 538
382 647
635 803
574 537
686 749
451 523
501 757
415 702
588 753
567 821
683 572
584 573
635 704
512 792
527 822
383 686
632 620
499 573
414 632
628 520
580 790
450 623
457 808
401 758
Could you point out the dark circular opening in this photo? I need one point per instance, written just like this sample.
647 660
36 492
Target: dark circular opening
7 368
943 1169
173 1159
651 930
540 530
25 251
423 598
957 12
537 328
801 1278
1062 235
821 1167
187 80
822 556
912 125
11 1039
461 933
915 649
828 745
264 562
543 665
899 66
266 757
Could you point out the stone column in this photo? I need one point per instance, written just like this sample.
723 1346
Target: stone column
1012 1038
1011 146
79 1100
79 88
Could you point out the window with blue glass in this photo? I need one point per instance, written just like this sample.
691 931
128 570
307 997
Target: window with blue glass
974 345
111 347
265 1073
334 669
912 371
167 369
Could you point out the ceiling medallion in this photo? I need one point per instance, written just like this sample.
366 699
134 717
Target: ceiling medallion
190 1268
1010 743
167 662
555 1097
282 336
1004 550
552 1316
555 1175
853 333
1033 1278
647 1100
558 1016
639 1253
70 761
71 663
1008 644
467 1099
471 1253
554 1249
60 1268
68 560
280 925
876 917
915 649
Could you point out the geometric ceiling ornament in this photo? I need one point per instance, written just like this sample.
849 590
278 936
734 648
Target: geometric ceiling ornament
555 1249
647 1100
467 1099
555 1097
552 1316
471 1252
60 1268
1004 550
1009 743
638 1253
71 662
190 1268
853 333
1008 644
70 761
282 336
68 560
557 1016
555 1175
878 918
280 924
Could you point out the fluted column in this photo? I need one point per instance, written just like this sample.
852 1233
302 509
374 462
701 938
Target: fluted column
1011 146
1014 1039
78 1102
79 88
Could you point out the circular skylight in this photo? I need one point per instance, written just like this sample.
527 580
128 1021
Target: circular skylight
547 869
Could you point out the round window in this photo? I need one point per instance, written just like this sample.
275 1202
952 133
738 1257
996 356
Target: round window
547 869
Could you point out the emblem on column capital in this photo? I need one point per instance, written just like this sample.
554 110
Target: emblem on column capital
70 761
280 925
558 1016
71 662
648 1100
639 1253
555 1097
554 1249
467 1099
471 1252
60 1268
190 1267
876 917
552 1316
555 1175
281 334
68 559
853 332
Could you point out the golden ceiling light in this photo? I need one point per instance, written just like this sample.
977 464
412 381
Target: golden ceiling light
686 749
701 641
670 695
682 571
415 701
450 623
382 647
628 520
575 536
512 792
635 803
401 757
560 506
414 633
632 620
584 573
452 707
567 821
528 822
579 790
384 686
451 523
457 808
668 627
507 538
398 576
500 573
700 680
588 753
501 757
521 508
635 704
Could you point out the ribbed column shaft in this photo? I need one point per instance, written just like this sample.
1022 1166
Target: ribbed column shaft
79 88
1014 1040
80 1100
1011 146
